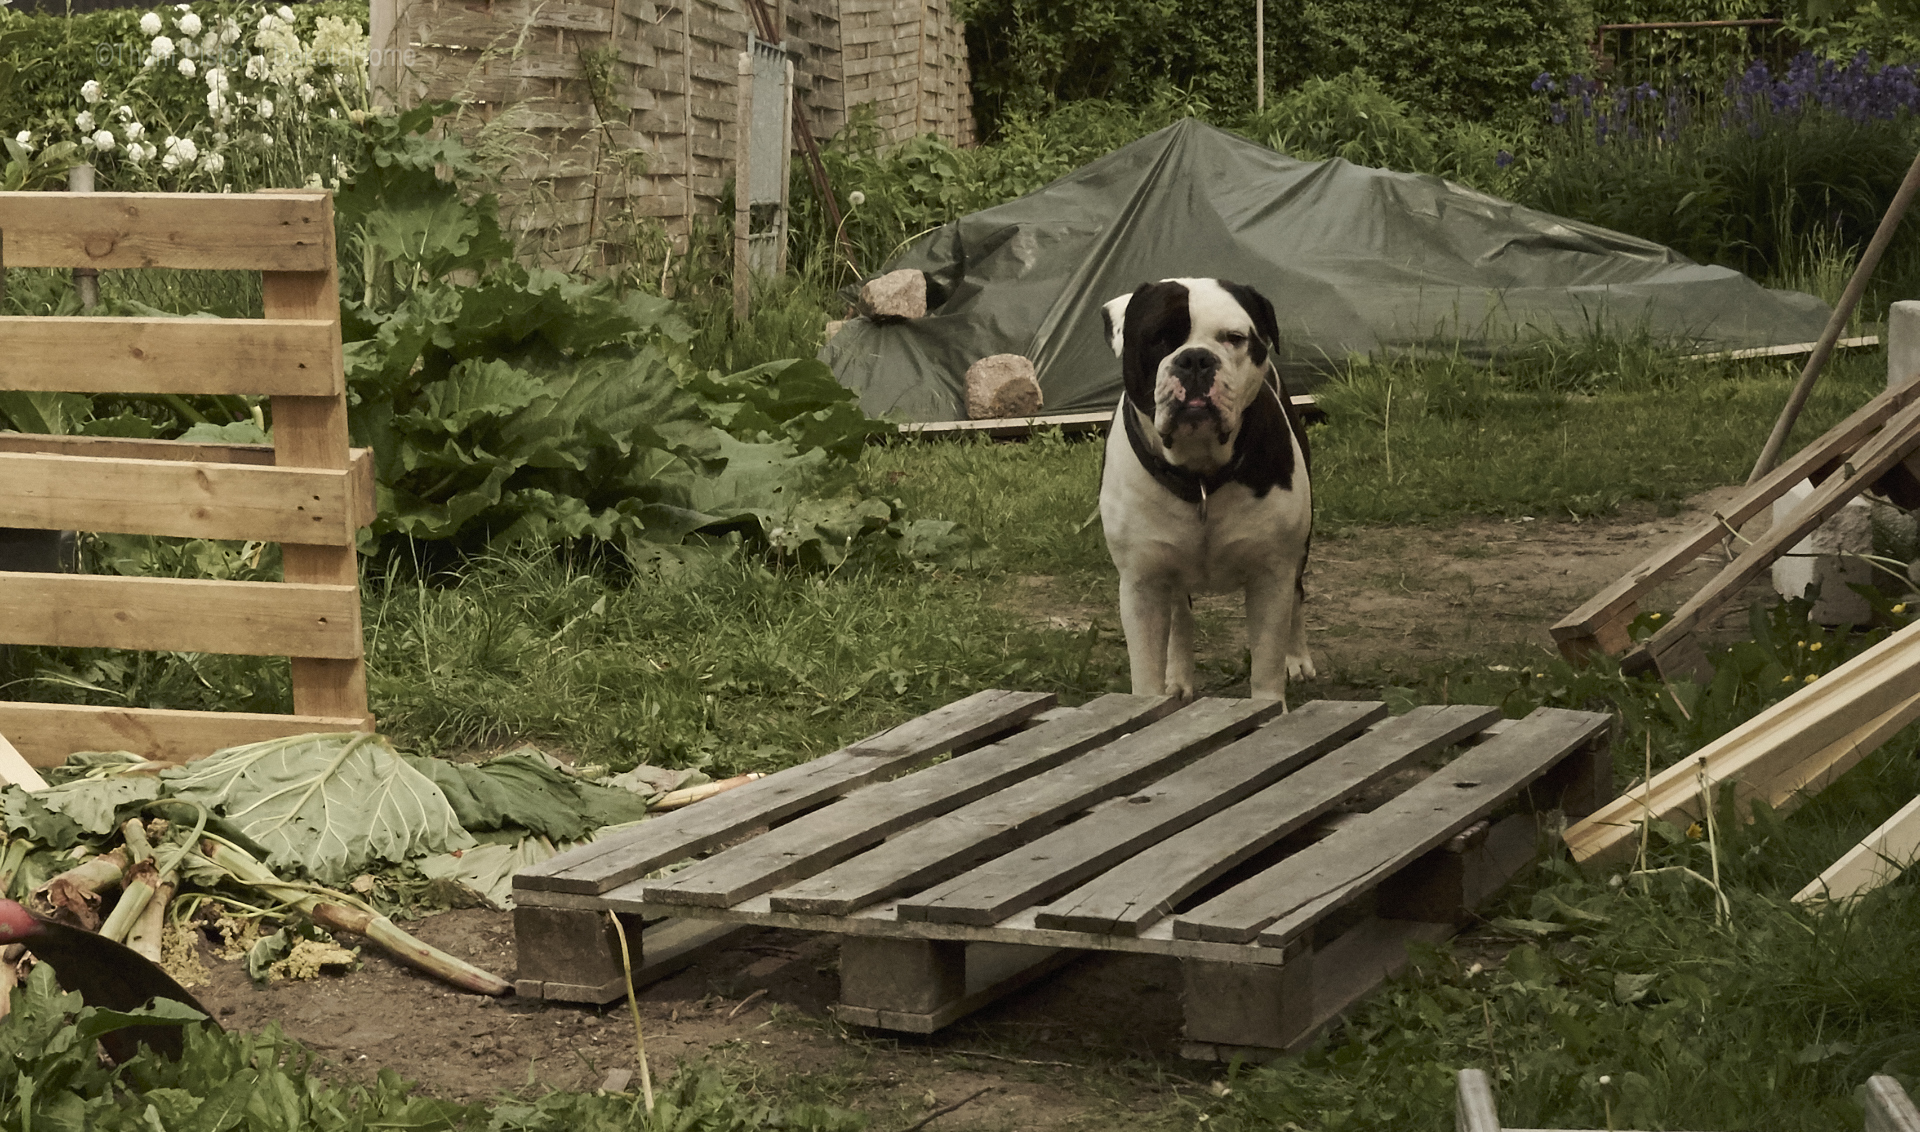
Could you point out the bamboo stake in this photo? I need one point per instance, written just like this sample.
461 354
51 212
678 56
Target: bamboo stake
1842 312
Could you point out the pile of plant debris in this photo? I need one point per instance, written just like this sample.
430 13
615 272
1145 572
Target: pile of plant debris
266 850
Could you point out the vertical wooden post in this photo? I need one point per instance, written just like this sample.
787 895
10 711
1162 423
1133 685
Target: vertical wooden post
786 172
686 103
311 432
383 53
742 185
85 279
1259 54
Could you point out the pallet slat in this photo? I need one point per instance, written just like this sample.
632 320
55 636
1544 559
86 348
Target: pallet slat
1146 888
47 733
843 828
181 615
614 861
1882 855
939 848
1277 905
186 500
283 231
252 356
1052 864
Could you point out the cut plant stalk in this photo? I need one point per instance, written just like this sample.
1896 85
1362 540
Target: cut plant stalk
142 881
692 794
149 930
339 910
76 892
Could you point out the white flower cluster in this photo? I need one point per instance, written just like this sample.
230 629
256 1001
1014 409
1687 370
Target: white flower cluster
275 89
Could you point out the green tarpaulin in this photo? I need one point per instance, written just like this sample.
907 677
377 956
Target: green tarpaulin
1356 260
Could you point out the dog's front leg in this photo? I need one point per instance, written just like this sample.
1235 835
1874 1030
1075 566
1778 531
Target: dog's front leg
1271 600
1146 615
1180 645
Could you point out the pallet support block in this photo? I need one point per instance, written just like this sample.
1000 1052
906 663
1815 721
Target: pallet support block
573 955
918 986
1248 1004
1446 885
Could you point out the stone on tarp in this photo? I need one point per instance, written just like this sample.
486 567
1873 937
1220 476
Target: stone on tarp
897 294
1828 558
1000 386
834 325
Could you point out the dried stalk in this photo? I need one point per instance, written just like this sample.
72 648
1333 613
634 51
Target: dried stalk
75 894
705 790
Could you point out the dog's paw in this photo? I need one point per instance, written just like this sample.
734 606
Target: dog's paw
1180 689
1300 667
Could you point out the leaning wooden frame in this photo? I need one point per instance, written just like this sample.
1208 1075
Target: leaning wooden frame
308 491
1873 448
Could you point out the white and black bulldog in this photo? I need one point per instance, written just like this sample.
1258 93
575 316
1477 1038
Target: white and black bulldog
1205 486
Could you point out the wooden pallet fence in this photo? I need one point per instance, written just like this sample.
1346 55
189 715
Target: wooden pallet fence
1889 1109
1875 447
308 492
1111 826
1782 756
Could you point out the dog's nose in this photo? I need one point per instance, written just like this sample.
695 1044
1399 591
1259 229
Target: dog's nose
1195 368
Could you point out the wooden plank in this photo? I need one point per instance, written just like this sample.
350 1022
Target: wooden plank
1303 403
15 770
1900 436
837 831
1474 1110
1883 855
938 849
166 497
1281 902
126 448
1889 1109
1147 887
1057 862
1846 708
613 861
311 432
171 355
1581 630
47 733
181 615
284 231
1792 349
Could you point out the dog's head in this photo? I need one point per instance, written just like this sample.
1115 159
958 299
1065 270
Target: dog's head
1194 356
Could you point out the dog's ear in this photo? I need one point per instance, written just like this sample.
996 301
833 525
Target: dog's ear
1265 323
1113 317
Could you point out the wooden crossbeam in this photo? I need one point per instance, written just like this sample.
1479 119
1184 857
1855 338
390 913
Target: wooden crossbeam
181 615
1880 857
186 500
1600 624
275 231
47 733
172 355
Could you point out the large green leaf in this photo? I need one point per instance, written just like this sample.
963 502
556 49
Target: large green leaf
325 805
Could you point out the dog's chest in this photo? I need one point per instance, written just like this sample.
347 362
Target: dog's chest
1237 537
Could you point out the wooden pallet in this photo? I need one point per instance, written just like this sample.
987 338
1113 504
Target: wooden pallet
1888 1107
1875 447
1212 832
308 492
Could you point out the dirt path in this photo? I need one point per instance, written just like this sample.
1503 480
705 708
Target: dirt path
1092 1047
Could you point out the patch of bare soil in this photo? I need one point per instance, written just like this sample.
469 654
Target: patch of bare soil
1093 1046
1385 600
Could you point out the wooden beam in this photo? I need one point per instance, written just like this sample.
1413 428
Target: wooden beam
131 449
1880 857
182 615
166 497
47 733
1841 717
284 231
1874 458
1600 623
171 355
15 770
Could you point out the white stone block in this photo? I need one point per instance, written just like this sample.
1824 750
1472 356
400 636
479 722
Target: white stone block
1903 342
1819 559
897 294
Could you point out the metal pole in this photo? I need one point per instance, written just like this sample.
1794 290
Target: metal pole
1842 312
1259 54
85 279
